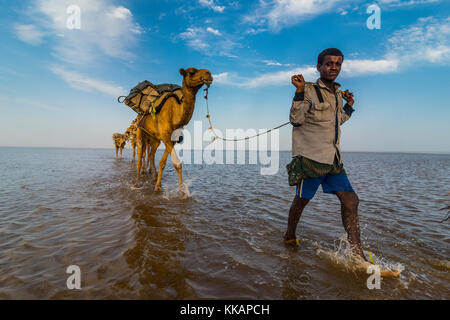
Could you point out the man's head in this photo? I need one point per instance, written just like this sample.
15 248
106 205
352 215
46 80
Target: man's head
329 63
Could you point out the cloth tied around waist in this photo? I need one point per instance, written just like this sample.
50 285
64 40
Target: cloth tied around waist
303 168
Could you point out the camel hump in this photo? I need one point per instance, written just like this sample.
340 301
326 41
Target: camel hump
144 94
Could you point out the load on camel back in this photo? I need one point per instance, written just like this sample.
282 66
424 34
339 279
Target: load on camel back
146 97
162 109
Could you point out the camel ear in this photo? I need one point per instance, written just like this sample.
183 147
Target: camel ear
182 72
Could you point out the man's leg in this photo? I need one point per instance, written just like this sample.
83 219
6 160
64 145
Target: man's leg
305 191
349 211
295 212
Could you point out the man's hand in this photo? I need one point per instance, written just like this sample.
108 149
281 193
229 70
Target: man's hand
298 82
349 97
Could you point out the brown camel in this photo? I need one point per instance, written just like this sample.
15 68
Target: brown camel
171 117
119 142
131 133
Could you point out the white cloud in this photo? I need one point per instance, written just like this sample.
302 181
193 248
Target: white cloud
29 33
198 44
274 15
272 63
400 3
355 68
195 38
266 79
279 78
276 63
213 31
162 15
211 4
437 54
206 41
255 30
105 30
221 78
350 68
81 82
190 33
426 41
120 13
283 13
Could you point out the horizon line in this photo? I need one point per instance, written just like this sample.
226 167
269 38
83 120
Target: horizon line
281 150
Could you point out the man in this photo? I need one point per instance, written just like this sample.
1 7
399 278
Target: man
316 115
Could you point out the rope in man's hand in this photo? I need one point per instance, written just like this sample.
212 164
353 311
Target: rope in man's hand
235 139
345 94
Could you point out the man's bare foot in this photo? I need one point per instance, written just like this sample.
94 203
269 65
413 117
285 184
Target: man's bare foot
357 251
291 241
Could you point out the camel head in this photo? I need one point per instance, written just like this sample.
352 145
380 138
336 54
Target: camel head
120 139
131 129
194 78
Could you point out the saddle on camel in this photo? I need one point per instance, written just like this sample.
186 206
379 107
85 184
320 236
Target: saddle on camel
162 109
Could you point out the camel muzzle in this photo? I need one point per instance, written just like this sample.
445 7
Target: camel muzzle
208 82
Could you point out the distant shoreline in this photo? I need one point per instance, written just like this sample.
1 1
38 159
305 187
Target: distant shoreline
344 151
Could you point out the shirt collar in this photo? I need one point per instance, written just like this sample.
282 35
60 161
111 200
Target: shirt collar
322 85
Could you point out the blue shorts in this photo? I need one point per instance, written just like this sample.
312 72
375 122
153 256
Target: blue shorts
307 188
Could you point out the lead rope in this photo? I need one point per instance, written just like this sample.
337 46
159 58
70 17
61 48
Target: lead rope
224 139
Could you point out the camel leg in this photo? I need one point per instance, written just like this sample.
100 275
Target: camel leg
154 144
148 155
176 163
140 156
117 151
138 164
178 167
144 154
162 163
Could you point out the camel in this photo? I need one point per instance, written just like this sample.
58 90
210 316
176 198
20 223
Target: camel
119 142
151 131
131 133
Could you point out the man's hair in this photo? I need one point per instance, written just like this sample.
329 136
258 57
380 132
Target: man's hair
329 52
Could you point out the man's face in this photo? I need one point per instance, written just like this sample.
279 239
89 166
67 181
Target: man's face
330 67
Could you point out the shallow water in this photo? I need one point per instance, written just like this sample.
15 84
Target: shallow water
61 207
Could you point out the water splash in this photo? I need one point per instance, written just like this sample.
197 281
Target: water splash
344 257
173 191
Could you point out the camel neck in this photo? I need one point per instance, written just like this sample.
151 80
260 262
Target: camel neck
188 96
188 104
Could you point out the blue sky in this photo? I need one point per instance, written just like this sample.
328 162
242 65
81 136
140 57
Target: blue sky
58 87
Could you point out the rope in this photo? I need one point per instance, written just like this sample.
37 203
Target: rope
235 139
208 116
138 125
313 83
